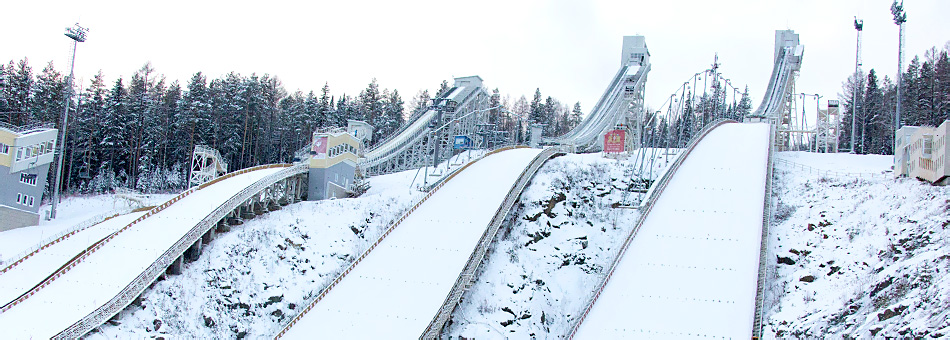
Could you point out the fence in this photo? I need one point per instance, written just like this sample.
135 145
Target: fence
801 168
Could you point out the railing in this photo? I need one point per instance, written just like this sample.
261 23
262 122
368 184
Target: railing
827 173
150 274
650 200
467 275
59 237
759 313
26 128
323 293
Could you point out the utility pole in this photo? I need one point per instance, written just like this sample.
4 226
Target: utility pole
859 26
77 34
899 19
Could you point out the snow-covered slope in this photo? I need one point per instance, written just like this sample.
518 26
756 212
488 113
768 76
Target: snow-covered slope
247 281
691 269
859 256
398 287
106 272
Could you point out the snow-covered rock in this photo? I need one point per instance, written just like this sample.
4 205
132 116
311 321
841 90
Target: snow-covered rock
857 256
551 253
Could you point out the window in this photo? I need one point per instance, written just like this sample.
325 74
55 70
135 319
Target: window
28 179
4 149
24 199
19 154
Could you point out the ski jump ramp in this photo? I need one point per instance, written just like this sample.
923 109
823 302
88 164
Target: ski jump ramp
102 280
691 269
394 291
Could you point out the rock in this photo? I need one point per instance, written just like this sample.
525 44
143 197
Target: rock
807 278
209 322
785 260
157 323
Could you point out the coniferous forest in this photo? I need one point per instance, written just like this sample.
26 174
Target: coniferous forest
139 132
925 100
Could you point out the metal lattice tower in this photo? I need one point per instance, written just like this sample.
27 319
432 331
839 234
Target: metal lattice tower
206 165
826 134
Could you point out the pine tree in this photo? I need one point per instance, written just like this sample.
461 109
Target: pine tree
744 108
19 90
48 96
114 146
576 116
419 104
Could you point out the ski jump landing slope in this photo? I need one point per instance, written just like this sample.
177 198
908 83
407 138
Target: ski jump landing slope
397 289
104 273
691 269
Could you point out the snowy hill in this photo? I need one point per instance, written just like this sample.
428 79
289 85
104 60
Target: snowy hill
858 255
247 281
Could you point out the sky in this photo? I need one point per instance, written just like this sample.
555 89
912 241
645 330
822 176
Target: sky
568 49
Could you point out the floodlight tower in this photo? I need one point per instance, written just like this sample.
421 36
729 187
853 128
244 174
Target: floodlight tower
77 34
899 19
859 26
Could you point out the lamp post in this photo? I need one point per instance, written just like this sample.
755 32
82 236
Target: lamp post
899 19
859 26
77 34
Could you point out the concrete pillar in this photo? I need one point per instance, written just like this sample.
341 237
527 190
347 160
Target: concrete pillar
258 208
175 267
247 210
208 236
194 251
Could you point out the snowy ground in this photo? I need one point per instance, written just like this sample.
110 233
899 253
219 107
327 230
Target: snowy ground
249 280
70 212
857 257
552 250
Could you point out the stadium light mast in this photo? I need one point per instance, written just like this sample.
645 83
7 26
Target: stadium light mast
77 34
899 19
859 26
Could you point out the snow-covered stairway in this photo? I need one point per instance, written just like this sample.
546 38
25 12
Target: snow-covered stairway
400 285
691 269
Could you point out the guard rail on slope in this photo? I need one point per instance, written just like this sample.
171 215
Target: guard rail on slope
764 246
660 185
465 279
99 244
150 274
389 229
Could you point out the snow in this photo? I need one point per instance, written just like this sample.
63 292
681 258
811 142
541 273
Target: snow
107 271
247 282
857 256
36 268
691 269
70 212
401 284
552 248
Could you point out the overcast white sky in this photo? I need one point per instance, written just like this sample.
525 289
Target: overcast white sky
568 48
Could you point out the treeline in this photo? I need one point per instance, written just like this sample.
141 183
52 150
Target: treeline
925 100
140 132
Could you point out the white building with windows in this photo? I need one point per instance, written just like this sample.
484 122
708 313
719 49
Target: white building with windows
25 156
922 153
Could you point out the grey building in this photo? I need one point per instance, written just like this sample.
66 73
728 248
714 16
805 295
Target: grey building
25 156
